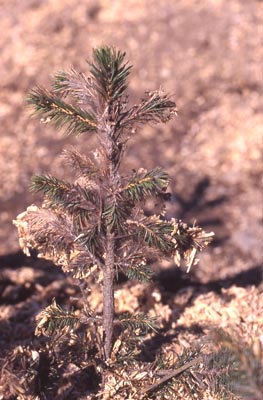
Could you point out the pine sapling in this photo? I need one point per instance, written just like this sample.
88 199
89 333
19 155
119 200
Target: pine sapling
96 225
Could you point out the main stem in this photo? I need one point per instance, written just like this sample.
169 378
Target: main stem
108 297
108 274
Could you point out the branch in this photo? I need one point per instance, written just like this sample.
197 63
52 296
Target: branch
42 229
90 239
156 108
138 321
78 85
51 186
172 374
116 213
60 113
80 163
78 201
187 241
54 237
140 272
155 233
53 319
172 238
145 184
109 73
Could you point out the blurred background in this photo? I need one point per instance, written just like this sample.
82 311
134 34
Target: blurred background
208 54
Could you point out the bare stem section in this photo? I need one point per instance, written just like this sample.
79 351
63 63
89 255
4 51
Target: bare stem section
108 297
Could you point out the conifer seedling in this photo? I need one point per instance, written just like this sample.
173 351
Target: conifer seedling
96 226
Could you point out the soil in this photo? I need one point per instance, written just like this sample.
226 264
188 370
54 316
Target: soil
208 54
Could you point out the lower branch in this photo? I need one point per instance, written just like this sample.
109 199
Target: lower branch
172 374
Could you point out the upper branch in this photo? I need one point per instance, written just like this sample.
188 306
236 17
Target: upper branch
60 113
156 108
110 73
79 86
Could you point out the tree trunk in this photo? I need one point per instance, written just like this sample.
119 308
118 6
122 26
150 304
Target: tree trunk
108 297
109 271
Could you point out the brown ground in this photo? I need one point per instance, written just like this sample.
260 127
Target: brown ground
208 53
